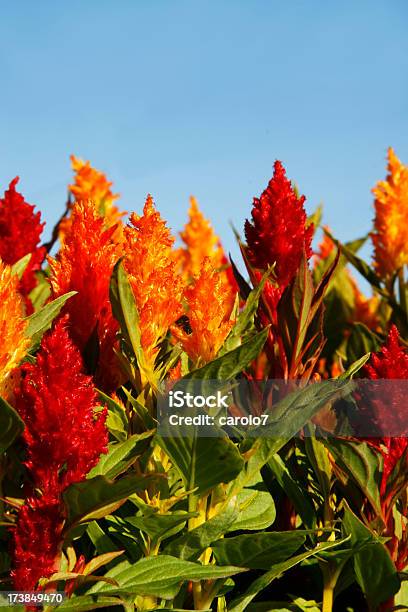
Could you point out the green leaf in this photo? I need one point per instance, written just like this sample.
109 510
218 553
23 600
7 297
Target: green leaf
121 455
360 461
246 317
88 602
258 550
359 264
41 292
355 367
203 462
190 545
102 542
20 266
117 421
256 510
288 417
316 217
360 342
374 569
320 462
296 493
232 363
98 496
39 322
11 425
157 526
241 603
125 310
161 576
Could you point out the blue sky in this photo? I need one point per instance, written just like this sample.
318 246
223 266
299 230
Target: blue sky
175 98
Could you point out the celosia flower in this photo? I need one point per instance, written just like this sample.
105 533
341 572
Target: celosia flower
92 185
13 341
390 235
64 438
84 264
20 231
390 363
278 233
37 540
387 409
200 242
152 274
57 402
209 315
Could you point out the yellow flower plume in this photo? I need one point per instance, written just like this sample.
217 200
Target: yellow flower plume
390 235
13 341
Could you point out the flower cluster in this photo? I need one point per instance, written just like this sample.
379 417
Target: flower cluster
120 307
54 397
157 288
84 264
20 233
14 342
278 234
91 185
390 236
209 315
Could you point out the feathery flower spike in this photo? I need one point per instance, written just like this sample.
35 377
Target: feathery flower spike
209 317
152 274
64 439
92 185
20 232
200 242
278 233
13 341
390 235
84 264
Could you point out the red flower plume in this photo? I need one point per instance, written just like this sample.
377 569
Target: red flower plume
64 440
20 232
386 407
56 402
278 233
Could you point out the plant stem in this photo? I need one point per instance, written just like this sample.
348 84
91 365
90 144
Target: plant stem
328 598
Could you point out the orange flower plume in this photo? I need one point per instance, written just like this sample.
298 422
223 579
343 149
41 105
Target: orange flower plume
91 184
13 341
84 264
20 233
200 242
150 265
390 235
209 314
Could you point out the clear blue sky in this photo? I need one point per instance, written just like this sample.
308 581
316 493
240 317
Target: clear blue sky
175 98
